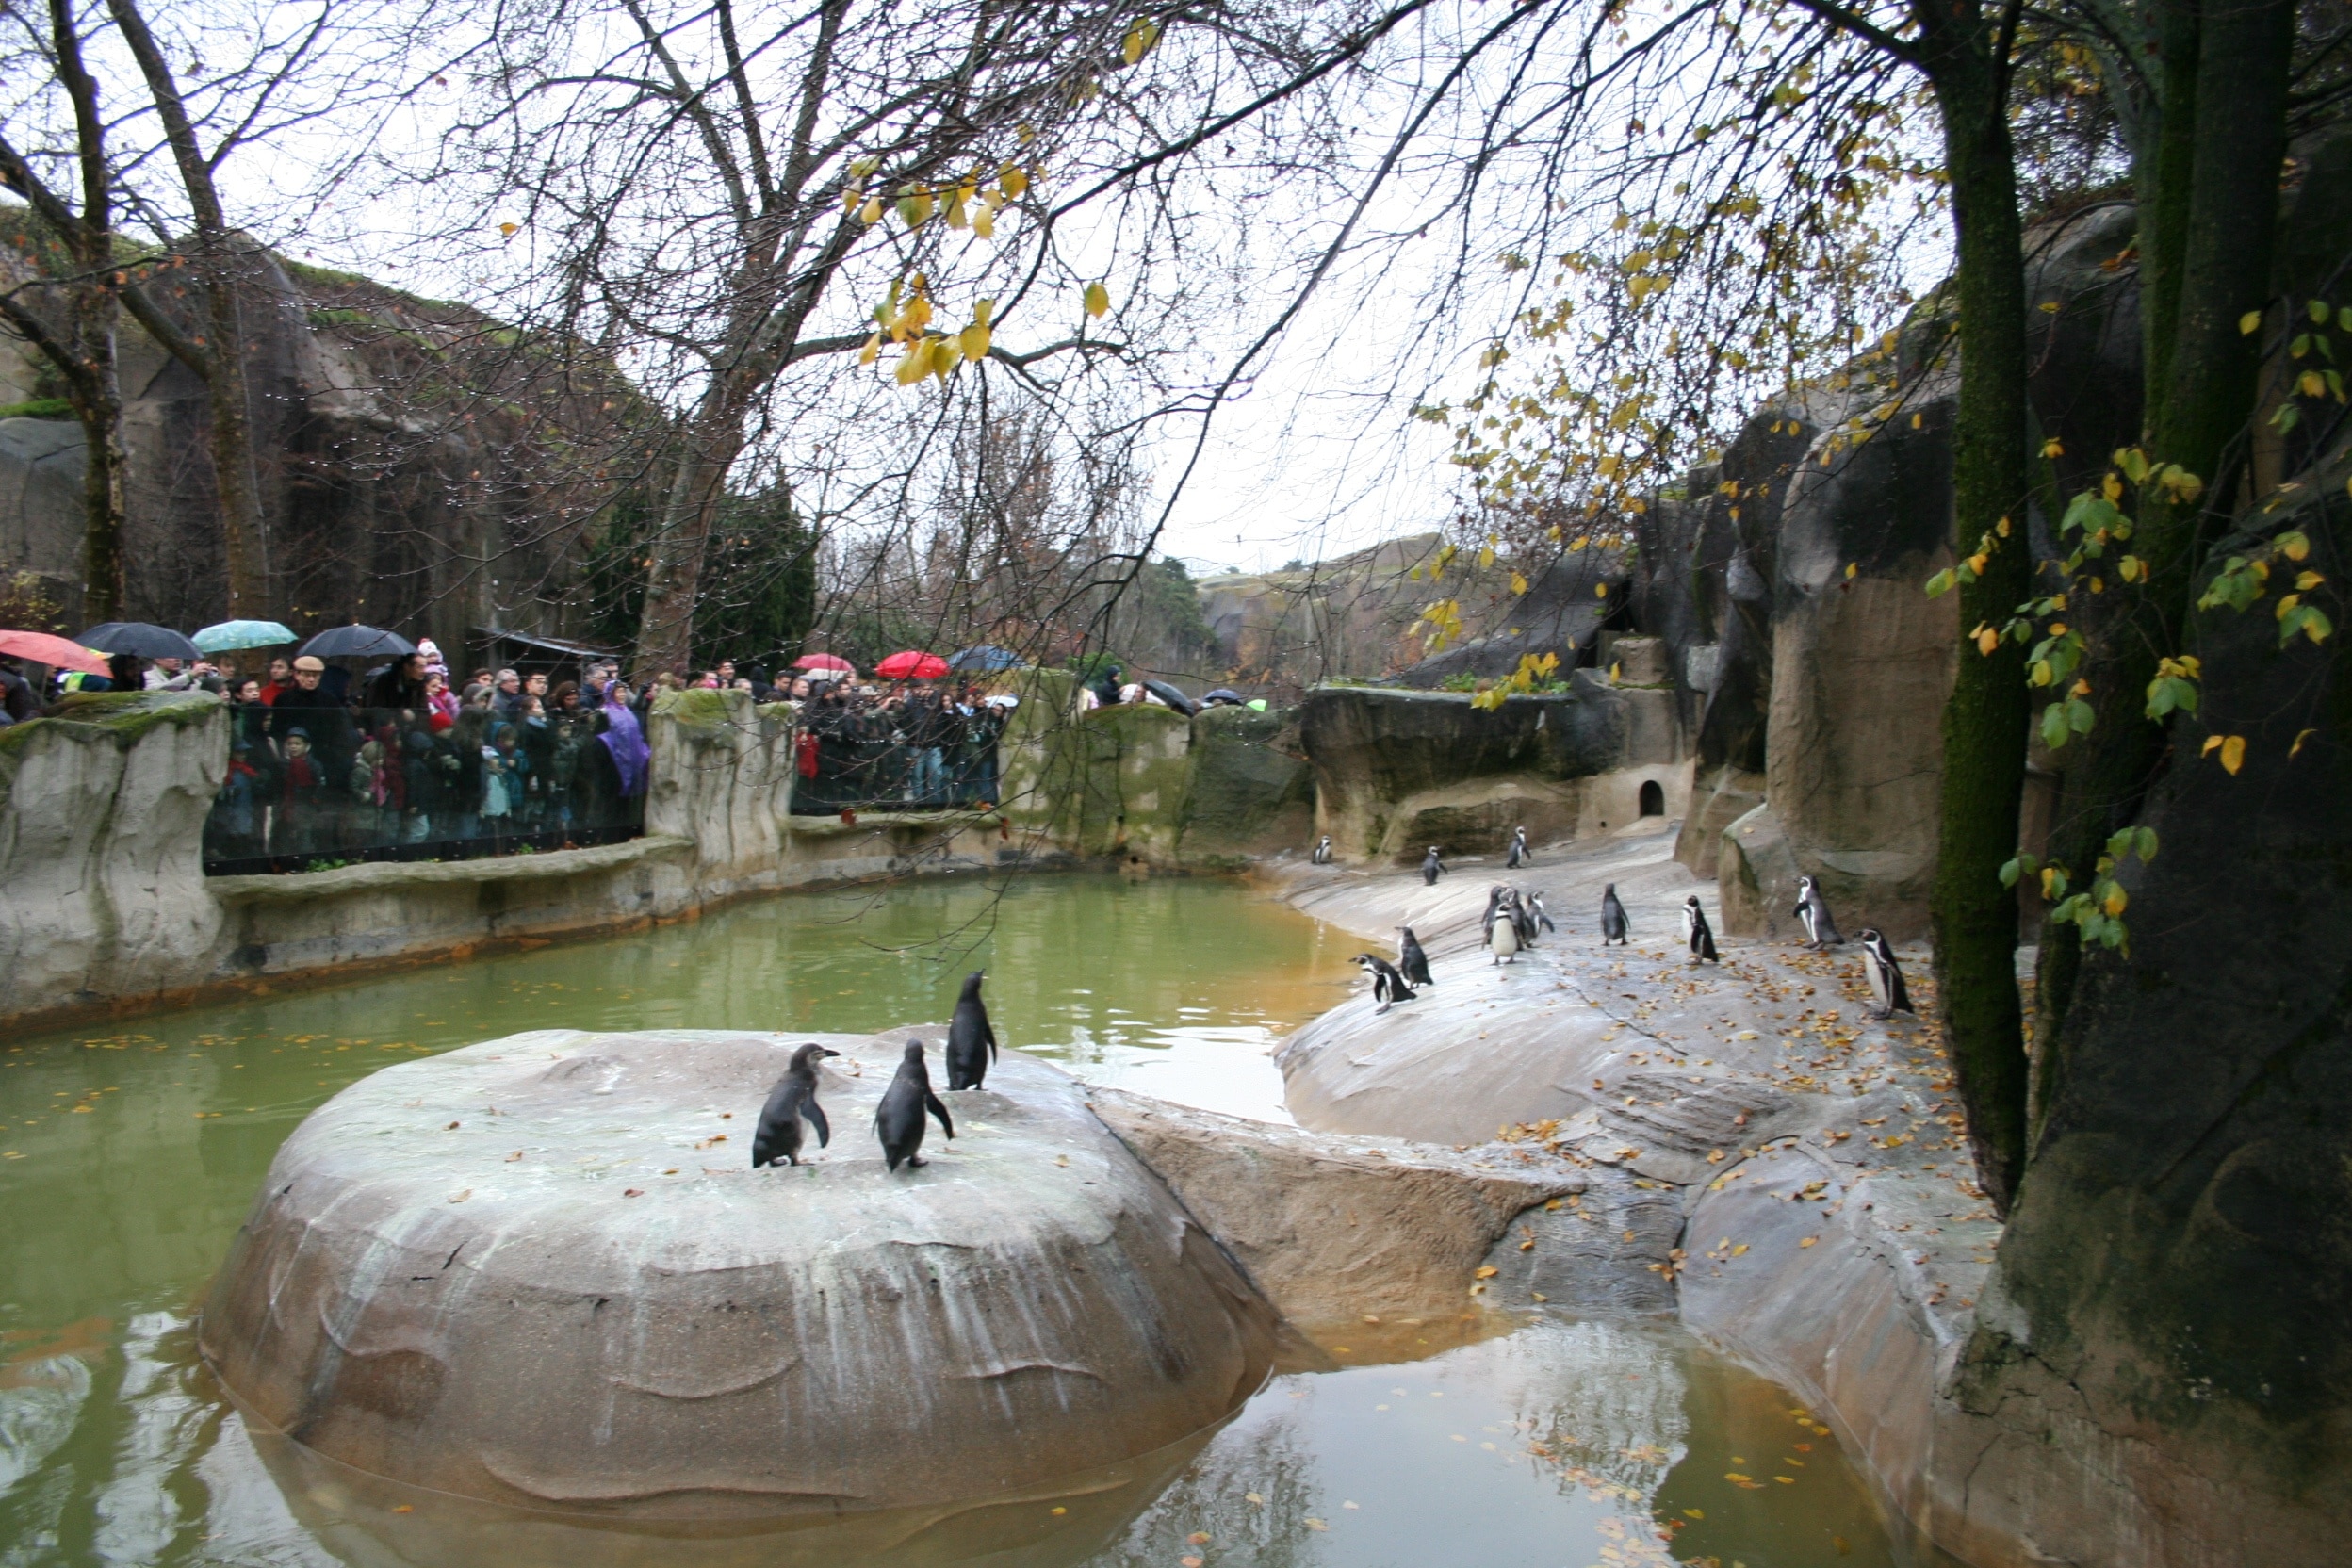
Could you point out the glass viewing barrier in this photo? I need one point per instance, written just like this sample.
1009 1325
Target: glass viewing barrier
319 786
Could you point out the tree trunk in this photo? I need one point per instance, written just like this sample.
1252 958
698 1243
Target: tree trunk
99 405
2209 227
665 630
1974 917
219 355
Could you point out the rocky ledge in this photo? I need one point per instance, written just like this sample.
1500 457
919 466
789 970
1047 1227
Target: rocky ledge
540 1272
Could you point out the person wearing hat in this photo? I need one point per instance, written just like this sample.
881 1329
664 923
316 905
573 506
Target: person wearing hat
310 708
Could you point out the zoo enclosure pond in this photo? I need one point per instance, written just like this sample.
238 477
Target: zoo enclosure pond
131 1154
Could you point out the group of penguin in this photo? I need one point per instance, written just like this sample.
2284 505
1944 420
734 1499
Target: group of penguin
898 1121
1515 915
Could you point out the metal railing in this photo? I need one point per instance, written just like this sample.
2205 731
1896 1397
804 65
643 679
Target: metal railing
317 787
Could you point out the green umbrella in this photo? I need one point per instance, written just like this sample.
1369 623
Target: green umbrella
229 636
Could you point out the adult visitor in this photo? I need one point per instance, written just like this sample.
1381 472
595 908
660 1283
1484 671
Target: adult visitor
401 684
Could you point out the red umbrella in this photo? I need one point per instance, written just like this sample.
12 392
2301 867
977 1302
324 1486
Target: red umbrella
42 648
911 666
825 661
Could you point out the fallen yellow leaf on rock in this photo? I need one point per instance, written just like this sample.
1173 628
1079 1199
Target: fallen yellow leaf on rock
1486 1271
1317 1524
1253 1498
1808 1241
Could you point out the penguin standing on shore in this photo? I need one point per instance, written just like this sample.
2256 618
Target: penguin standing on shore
1535 907
1388 986
898 1121
1494 896
971 1039
793 1097
1695 932
1614 927
1519 854
1322 856
1820 930
1522 916
1883 973
1431 867
1502 936
1412 962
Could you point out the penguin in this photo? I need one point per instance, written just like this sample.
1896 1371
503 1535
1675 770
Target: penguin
1412 962
1322 856
970 1042
1433 868
898 1121
1388 986
1523 917
1519 854
1502 937
1535 905
1494 896
1695 932
793 1097
1820 930
1883 973
1614 927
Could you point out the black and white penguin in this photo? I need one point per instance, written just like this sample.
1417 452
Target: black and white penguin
1519 856
1322 856
971 1040
1883 973
1412 962
1431 867
898 1121
1494 896
1695 932
1535 907
1388 986
793 1097
1502 937
1820 930
1523 917
1614 927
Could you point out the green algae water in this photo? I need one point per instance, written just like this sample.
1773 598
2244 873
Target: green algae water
130 1153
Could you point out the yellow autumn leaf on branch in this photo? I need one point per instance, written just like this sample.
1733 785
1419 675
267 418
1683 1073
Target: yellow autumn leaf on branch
1518 583
1138 42
2250 323
1097 299
871 351
870 213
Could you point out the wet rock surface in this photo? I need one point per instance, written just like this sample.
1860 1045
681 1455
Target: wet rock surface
540 1271
1760 1155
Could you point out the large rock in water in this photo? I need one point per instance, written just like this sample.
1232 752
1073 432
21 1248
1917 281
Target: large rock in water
540 1271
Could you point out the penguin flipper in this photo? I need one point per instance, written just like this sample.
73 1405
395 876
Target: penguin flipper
816 1116
931 1104
988 1031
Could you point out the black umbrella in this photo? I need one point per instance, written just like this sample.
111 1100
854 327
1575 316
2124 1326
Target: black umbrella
1225 693
1174 696
357 641
138 640
987 658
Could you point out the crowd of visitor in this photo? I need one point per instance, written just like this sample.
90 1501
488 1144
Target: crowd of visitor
325 762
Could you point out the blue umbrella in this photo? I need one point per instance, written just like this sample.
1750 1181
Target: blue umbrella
986 659
230 636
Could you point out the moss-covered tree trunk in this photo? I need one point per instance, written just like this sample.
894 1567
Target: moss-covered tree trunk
1974 917
2207 231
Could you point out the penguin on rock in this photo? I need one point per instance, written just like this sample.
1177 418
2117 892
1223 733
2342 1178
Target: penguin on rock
1431 867
1695 932
1535 907
1614 927
1494 896
1519 854
1502 937
1412 962
1322 856
1522 916
971 1038
1883 973
898 1121
794 1097
1820 930
1388 986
